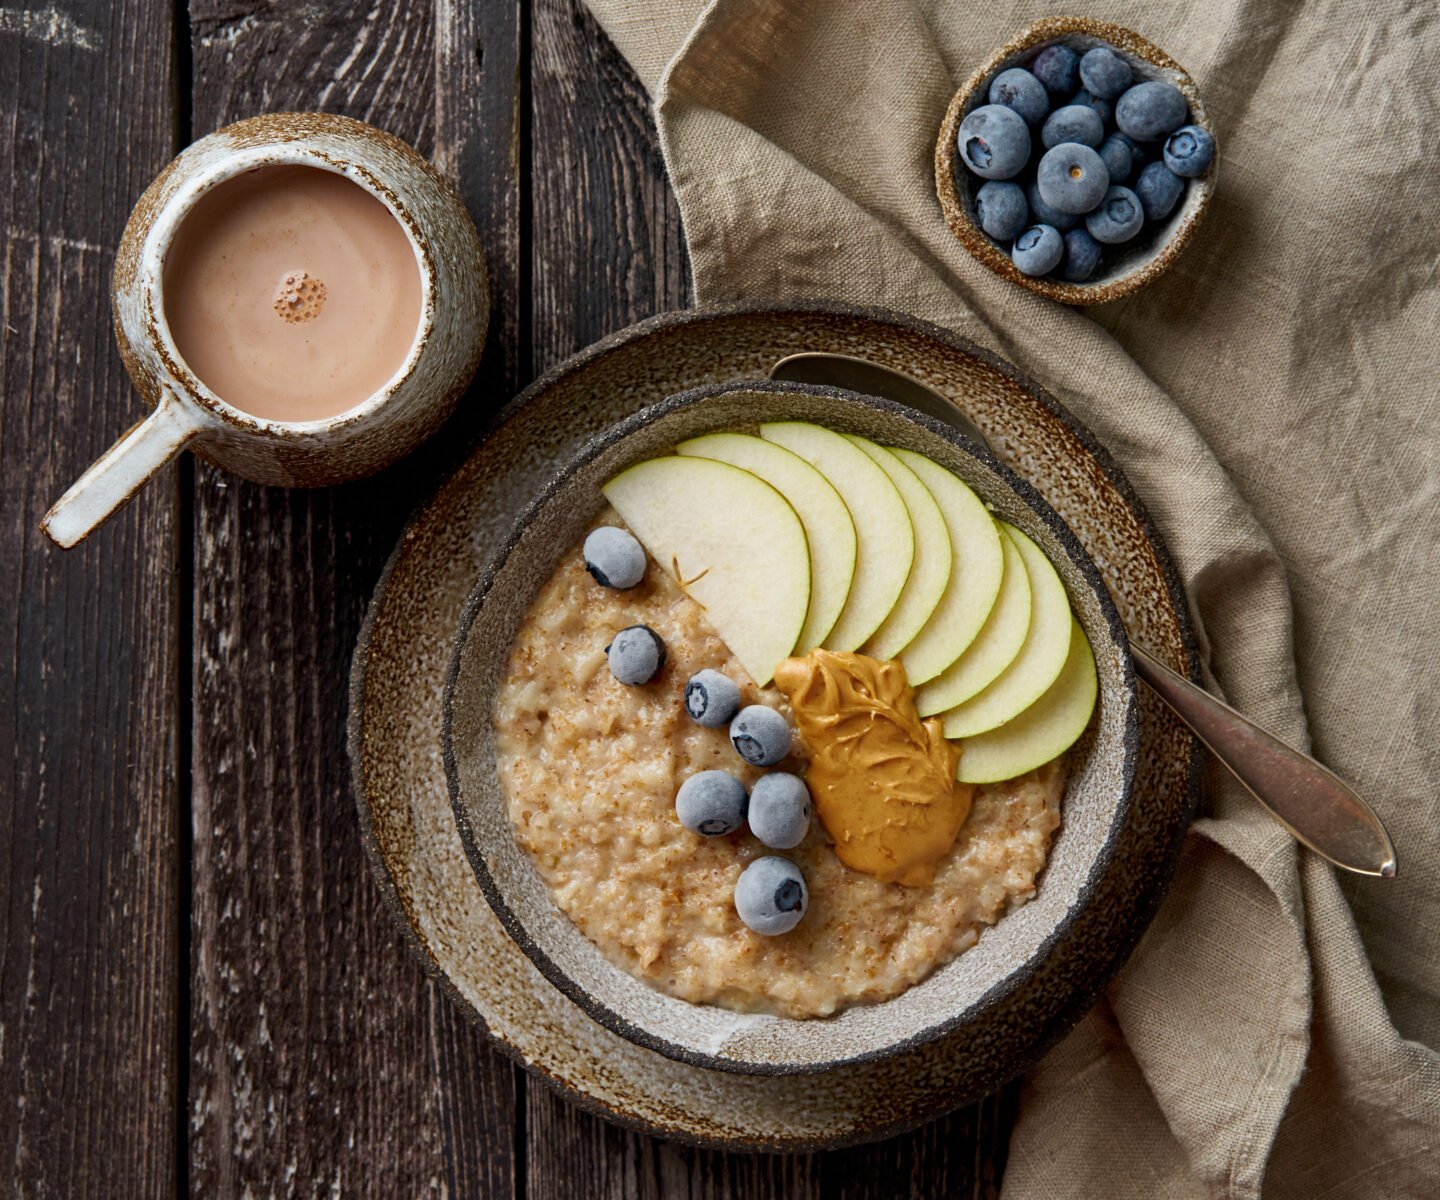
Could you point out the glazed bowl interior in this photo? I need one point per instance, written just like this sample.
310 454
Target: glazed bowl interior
1093 813
1125 268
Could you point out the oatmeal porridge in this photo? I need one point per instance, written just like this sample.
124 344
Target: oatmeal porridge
590 769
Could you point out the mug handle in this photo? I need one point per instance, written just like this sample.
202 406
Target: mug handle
115 477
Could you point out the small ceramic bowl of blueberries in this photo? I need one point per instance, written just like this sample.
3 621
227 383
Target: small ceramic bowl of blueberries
1077 161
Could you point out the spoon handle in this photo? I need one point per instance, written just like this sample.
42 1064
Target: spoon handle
1310 800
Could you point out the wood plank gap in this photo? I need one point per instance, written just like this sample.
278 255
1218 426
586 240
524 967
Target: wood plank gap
521 1135
184 819
88 804
525 268
183 80
184 76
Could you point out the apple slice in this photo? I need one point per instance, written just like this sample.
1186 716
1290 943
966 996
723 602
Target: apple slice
1036 667
1043 731
929 574
829 531
975 576
885 542
994 647
734 545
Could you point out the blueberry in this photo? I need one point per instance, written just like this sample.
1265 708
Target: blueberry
1038 249
1001 210
712 803
1045 215
1105 108
1117 156
1118 218
614 557
761 735
1104 73
711 698
1020 90
636 654
780 810
1072 178
1159 189
1058 68
1151 110
1073 123
1189 151
1082 256
770 895
994 142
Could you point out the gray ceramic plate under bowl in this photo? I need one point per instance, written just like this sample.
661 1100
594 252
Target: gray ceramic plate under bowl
1097 796
410 832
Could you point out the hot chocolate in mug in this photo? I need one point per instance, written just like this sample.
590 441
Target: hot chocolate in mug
300 298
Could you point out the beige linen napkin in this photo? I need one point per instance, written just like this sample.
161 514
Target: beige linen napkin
1273 399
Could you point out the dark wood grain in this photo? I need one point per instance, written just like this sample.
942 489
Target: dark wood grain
321 1058
608 248
89 809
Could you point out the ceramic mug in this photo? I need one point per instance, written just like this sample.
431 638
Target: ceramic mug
455 306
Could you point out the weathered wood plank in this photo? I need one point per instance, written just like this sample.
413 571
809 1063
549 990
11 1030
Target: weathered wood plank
479 58
962 1155
89 810
608 247
575 1154
322 1059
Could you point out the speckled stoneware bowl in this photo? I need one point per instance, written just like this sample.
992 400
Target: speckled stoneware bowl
1096 802
1136 264
408 827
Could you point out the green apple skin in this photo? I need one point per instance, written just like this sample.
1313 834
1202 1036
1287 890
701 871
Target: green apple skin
994 647
975 576
930 572
885 541
1043 731
1047 644
734 545
829 531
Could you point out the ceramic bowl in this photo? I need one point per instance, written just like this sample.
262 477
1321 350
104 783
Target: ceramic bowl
1136 264
1095 808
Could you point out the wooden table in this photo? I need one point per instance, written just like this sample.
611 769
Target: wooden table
199 987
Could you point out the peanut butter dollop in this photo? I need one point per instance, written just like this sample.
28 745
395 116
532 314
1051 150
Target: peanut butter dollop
883 781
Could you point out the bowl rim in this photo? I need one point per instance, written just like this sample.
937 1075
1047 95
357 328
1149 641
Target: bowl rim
1047 31
602 1012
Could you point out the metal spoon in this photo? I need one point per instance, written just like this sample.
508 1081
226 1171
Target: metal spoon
1308 799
